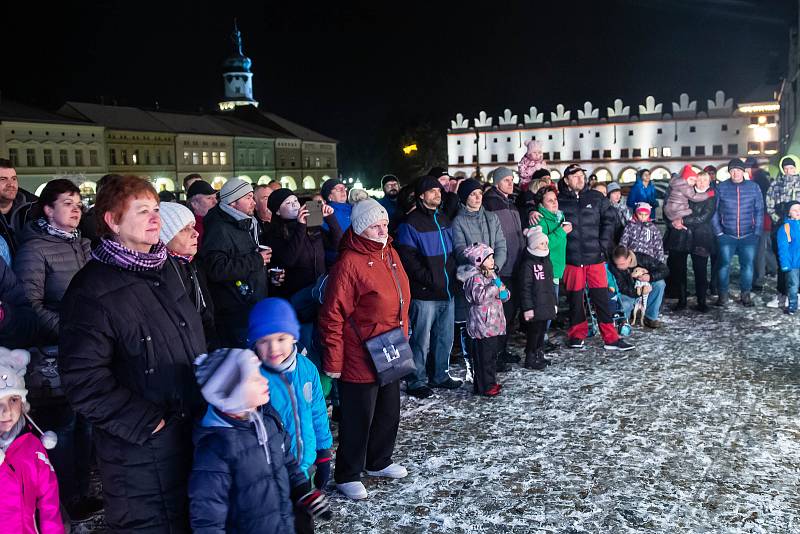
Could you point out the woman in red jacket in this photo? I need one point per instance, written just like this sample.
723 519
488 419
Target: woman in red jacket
367 290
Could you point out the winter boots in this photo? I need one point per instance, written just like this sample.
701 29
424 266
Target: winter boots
536 360
722 300
747 300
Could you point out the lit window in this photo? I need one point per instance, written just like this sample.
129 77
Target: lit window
223 158
135 157
753 148
666 152
186 158
205 158
771 148
195 158
653 152
215 158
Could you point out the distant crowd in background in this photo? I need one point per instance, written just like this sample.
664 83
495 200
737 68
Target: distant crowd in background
243 323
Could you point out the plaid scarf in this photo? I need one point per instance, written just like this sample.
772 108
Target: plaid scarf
47 228
112 253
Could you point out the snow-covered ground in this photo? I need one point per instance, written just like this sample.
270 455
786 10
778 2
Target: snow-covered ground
695 431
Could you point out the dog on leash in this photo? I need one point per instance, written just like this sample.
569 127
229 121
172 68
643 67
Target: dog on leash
642 290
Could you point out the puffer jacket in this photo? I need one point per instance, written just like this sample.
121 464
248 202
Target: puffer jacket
45 265
19 324
680 194
368 288
507 212
625 282
645 238
485 317
740 209
425 244
29 500
641 193
239 486
698 238
592 218
789 245
550 223
296 394
622 215
478 227
536 291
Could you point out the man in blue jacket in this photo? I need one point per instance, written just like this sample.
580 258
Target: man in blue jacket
737 224
425 244
334 192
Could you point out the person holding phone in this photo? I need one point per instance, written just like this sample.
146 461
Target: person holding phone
297 247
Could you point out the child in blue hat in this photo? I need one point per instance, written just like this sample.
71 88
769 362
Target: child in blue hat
294 384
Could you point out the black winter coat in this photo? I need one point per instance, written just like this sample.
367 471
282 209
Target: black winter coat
593 223
536 288
229 254
698 238
196 285
127 345
19 325
626 283
233 487
509 216
45 265
300 251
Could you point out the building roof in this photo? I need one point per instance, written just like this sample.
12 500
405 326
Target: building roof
15 111
116 117
296 130
190 123
243 128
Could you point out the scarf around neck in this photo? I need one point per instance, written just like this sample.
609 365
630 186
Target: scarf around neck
286 366
112 253
240 216
45 227
183 258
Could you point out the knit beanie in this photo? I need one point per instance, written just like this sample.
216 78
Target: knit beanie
221 376
277 197
788 160
200 187
233 190
270 316
540 173
389 178
735 163
366 213
477 253
710 169
688 172
426 183
643 207
357 195
500 173
788 206
613 186
436 172
466 188
327 187
535 236
174 218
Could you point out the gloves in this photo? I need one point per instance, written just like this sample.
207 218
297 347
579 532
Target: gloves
323 463
333 375
315 504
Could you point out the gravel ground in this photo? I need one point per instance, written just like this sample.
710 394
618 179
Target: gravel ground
697 430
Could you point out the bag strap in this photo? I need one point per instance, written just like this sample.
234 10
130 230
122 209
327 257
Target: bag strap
392 271
787 227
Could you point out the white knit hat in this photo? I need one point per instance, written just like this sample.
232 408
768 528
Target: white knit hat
233 190
12 372
222 375
174 218
366 213
535 236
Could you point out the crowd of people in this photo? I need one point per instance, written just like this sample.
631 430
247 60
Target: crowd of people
199 352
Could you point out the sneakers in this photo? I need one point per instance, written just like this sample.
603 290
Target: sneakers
493 391
790 311
778 301
575 343
747 300
620 345
450 383
390 471
422 392
652 323
353 490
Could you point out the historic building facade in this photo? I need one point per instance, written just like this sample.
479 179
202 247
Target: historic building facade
616 145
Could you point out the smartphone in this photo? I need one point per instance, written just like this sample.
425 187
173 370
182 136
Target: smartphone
314 208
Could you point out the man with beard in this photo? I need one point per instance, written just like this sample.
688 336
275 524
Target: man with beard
391 188
450 201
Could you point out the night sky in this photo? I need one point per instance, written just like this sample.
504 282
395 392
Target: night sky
357 72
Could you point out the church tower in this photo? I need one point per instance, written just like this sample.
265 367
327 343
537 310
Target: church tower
237 76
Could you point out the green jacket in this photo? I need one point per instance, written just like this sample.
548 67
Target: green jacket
551 226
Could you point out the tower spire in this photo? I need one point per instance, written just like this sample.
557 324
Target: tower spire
237 76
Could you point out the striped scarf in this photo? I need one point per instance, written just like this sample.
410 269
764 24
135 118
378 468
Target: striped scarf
112 253
47 228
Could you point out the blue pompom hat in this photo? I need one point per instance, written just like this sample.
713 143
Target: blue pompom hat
270 316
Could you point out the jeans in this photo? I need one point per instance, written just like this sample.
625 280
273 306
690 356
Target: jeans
431 319
653 301
792 285
745 248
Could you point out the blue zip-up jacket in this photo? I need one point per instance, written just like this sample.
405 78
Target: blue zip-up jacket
425 244
390 205
640 193
789 245
342 211
740 209
297 397
239 485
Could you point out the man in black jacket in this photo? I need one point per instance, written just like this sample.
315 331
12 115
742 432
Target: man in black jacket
235 266
18 323
623 267
449 197
425 244
588 244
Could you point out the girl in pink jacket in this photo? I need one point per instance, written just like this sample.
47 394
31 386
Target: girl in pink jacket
532 161
29 498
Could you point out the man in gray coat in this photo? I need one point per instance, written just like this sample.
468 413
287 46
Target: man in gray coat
498 200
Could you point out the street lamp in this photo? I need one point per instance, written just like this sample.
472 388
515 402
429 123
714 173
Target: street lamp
408 149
